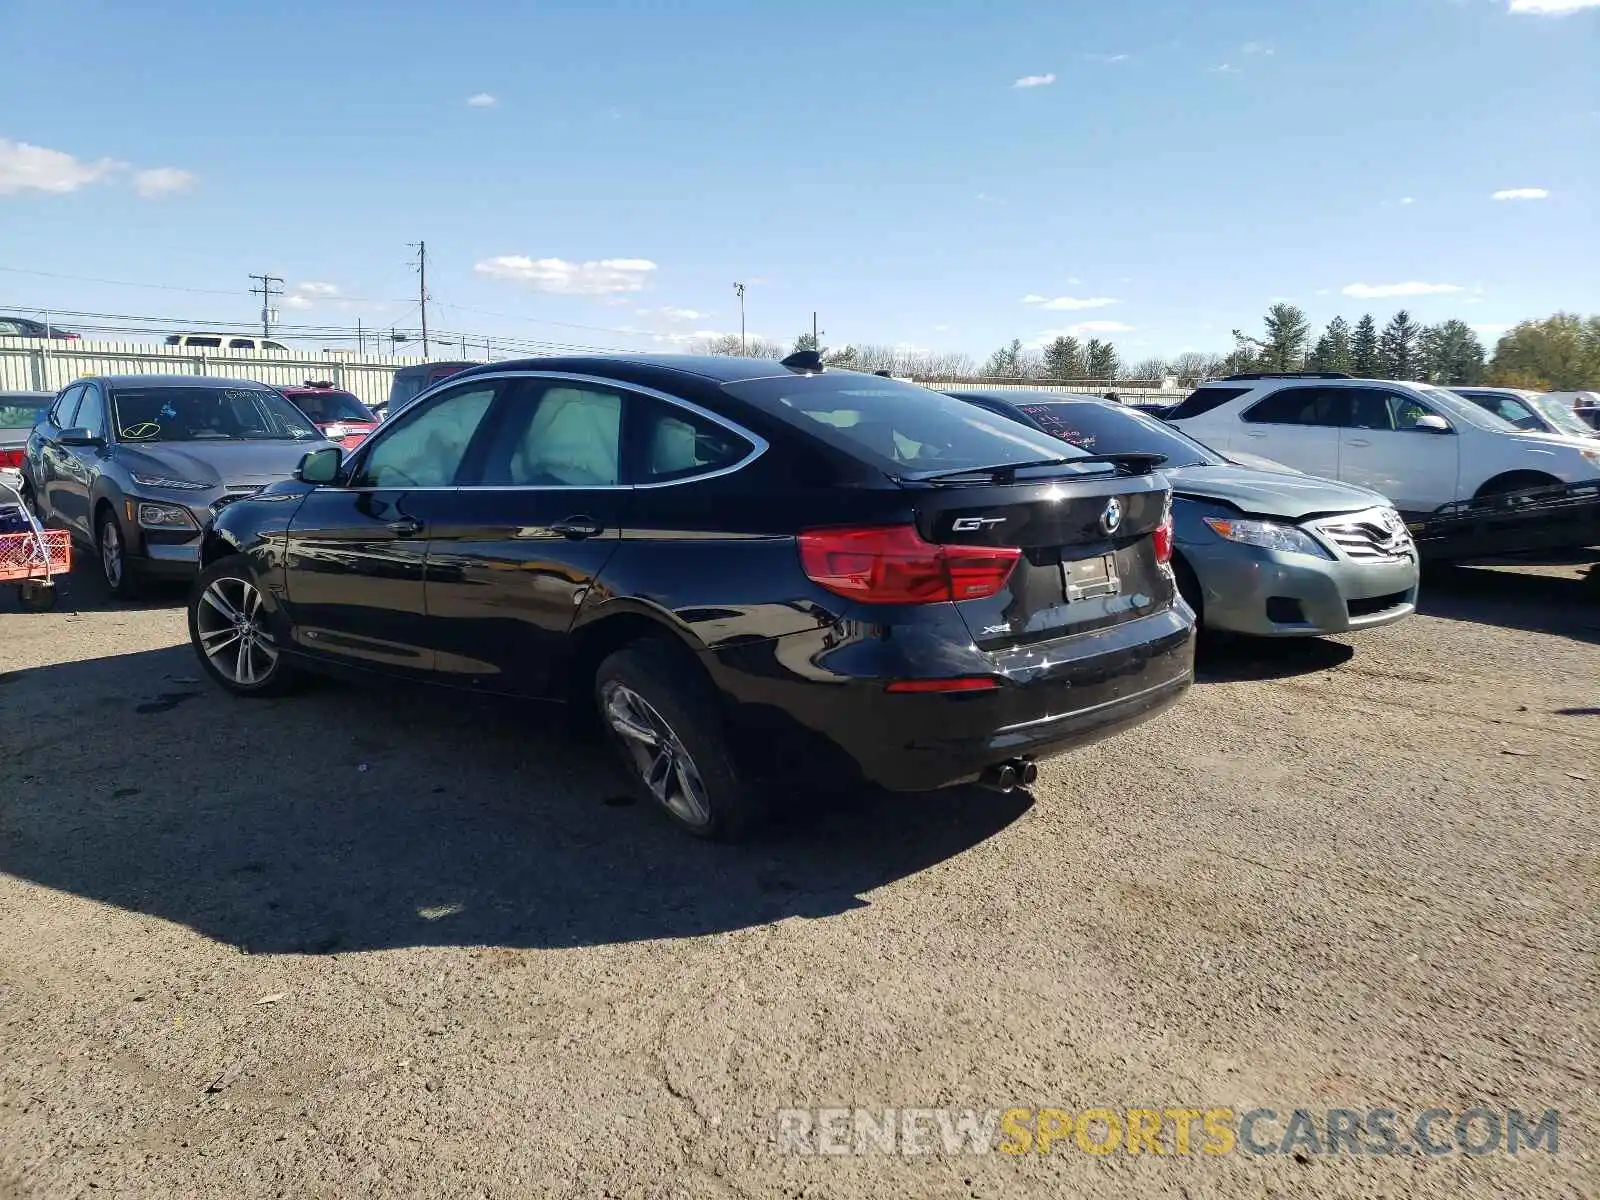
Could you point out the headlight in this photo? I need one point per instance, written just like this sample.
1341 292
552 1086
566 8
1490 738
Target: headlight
161 481
165 516
1269 535
1592 455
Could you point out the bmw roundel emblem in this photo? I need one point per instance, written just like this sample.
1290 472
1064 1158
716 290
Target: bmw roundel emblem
1111 519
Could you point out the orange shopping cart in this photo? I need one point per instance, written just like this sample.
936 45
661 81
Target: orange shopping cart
31 556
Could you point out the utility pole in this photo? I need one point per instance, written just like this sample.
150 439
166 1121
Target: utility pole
271 285
816 336
738 290
422 290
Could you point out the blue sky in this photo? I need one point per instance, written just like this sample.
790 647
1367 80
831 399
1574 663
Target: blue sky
1154 172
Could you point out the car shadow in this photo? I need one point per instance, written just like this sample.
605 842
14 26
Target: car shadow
1229 658
347 818
1512 599
83 589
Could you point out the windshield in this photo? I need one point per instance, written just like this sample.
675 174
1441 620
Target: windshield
1103 428
899 426
328 405
1454 406
193 414
1560 414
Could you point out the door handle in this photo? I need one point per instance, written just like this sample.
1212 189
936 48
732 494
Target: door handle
405 527
1358 442
577 527
1253 433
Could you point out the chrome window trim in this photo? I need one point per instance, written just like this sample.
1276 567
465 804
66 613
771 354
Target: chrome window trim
759 445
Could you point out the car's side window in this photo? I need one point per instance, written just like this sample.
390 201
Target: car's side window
241 343
426 446
558 433
272 346
92 412
11 329
1369 409
1299 406
1404 411
66 407
674 443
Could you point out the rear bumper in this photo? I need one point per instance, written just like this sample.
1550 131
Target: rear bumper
1246 589
815 703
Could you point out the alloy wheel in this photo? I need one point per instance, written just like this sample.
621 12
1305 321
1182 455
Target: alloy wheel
658 754
111 557
232 634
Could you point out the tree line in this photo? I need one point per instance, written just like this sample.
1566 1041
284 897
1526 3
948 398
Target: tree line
1557 353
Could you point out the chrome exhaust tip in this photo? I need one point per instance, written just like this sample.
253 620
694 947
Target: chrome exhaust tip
1001 778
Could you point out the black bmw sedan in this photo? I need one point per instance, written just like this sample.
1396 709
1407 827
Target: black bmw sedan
752 570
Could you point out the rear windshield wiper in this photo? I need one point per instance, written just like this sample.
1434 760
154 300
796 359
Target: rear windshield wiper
1131 462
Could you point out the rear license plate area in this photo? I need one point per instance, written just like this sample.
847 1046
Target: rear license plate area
1084 578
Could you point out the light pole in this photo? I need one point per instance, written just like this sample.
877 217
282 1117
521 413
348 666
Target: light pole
738 290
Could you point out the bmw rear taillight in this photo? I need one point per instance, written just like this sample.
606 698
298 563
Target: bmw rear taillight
12 459
1163 540
892 564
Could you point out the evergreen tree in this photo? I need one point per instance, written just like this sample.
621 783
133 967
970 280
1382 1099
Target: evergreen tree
1284 348
1006 362
1398 351
1332 351
1451 354
1063 359
1364 348
1099 360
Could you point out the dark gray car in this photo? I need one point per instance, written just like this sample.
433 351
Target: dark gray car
137 465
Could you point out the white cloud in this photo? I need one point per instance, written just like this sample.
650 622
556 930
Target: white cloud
940 328
28 168
1081 330
1551 8
1261 48
606 276
1070 303
156 182
309 293
1224 69
1028 81
1522 193
1380 291
481 100
1108 58
1324 291
1408 199
683 314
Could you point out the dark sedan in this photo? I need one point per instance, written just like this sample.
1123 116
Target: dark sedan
750 569
136 465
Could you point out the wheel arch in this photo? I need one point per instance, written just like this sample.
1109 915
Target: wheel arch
616 625
1510 481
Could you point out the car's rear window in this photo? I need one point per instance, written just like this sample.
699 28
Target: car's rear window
324 405
15 414
898 426
1203 400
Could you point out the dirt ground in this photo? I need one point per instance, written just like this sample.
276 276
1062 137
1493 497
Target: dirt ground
387 942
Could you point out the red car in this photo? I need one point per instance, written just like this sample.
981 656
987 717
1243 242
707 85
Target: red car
338 414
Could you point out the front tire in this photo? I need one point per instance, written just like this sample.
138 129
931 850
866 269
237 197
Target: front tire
112 551
662 716
228 630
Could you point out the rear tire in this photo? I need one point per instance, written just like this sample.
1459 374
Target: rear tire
662 716
227 628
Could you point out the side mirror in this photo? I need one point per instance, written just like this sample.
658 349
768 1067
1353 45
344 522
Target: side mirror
320 466
1430 423
79 436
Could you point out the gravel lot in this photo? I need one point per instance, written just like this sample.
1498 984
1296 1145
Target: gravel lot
1322 881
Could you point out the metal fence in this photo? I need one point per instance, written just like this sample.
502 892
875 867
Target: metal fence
46 365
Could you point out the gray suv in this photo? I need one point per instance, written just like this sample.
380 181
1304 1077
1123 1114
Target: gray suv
135 466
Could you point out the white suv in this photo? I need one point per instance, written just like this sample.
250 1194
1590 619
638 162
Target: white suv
1420 446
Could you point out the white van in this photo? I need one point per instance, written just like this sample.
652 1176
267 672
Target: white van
222 341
